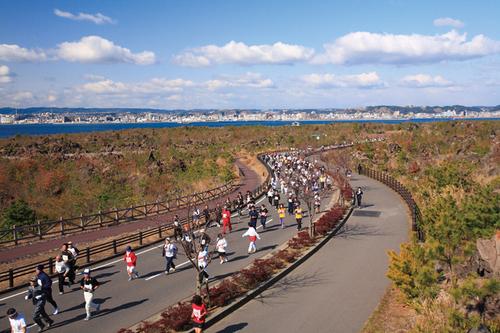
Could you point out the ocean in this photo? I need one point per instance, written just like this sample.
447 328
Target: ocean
11 130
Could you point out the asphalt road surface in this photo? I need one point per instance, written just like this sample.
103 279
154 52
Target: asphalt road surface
125 303
337 289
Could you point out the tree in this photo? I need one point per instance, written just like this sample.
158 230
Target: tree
18 213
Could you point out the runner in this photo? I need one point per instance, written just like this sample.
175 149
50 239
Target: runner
45 282
270 195
89 285
317 204
206 215
254 215
203 260
281 213
252 238
359 196
68 259
298 217
16 321
169 251
196 217
218 214
177 227
38 297
240 204
290 204
75 252
199 313
187 238
62 272
131 261
221 248
226 220
263 216
276 199
204 240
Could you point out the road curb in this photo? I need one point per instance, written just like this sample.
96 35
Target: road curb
224 312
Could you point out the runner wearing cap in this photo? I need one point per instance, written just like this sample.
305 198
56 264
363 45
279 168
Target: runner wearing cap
45 282
89 284
131 260
16 321
38 297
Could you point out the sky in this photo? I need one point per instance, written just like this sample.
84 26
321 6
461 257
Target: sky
249 54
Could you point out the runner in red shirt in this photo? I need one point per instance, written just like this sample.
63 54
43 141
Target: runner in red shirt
226 220
131 260
199 313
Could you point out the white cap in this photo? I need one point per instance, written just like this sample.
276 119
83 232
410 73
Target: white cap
86 271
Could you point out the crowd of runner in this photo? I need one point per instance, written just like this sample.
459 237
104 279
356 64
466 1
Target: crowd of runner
292 178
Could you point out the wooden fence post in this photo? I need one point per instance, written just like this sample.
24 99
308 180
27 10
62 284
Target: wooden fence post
100 218
159 232
61 221
116 216
132 212
11 278
81 222
140 237
39 228
145 209
157 207
14 232
87 254
115 251
51 265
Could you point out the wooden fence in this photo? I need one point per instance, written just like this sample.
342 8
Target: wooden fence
61 227
416 215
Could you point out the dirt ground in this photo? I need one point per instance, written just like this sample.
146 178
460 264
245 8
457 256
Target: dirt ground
392 315
253 163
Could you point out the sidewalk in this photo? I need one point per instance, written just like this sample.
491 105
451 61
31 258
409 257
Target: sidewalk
338 288
250 182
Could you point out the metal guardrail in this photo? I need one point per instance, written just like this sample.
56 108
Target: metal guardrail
416 215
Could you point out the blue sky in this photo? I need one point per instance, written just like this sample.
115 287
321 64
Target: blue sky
249 54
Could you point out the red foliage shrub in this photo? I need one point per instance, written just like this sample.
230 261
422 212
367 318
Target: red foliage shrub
177 317
224 292
273 263
249 278
329 220
301 240
286 256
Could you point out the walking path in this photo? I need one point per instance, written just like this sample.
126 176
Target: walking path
338 288
125 303
250 182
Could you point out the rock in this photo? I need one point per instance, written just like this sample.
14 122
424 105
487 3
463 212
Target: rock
489 254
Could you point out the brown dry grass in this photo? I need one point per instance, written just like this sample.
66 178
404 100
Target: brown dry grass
392 315
253 163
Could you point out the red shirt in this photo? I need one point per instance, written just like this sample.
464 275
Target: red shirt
130 258
199 313
226 216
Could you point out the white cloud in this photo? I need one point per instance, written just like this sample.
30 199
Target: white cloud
5 74
448 22
95 18
156 85
425 81
249 80
363 80
13 52
242 54
51 98
367 47
95 49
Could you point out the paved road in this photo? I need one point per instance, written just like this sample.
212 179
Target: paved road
249 183
126 303
338 288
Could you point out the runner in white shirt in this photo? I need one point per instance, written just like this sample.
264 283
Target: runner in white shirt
221 248
17 321
252 238
203 261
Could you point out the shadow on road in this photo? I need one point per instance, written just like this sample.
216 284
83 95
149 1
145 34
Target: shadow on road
357 231
289 285
268 247
233 328
104 275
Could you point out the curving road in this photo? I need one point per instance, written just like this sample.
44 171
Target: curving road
125 303
338 288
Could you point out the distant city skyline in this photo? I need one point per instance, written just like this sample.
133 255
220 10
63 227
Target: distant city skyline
242 54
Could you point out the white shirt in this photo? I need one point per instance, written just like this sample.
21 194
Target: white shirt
170 250
17 324
221 245
61 267
202 259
